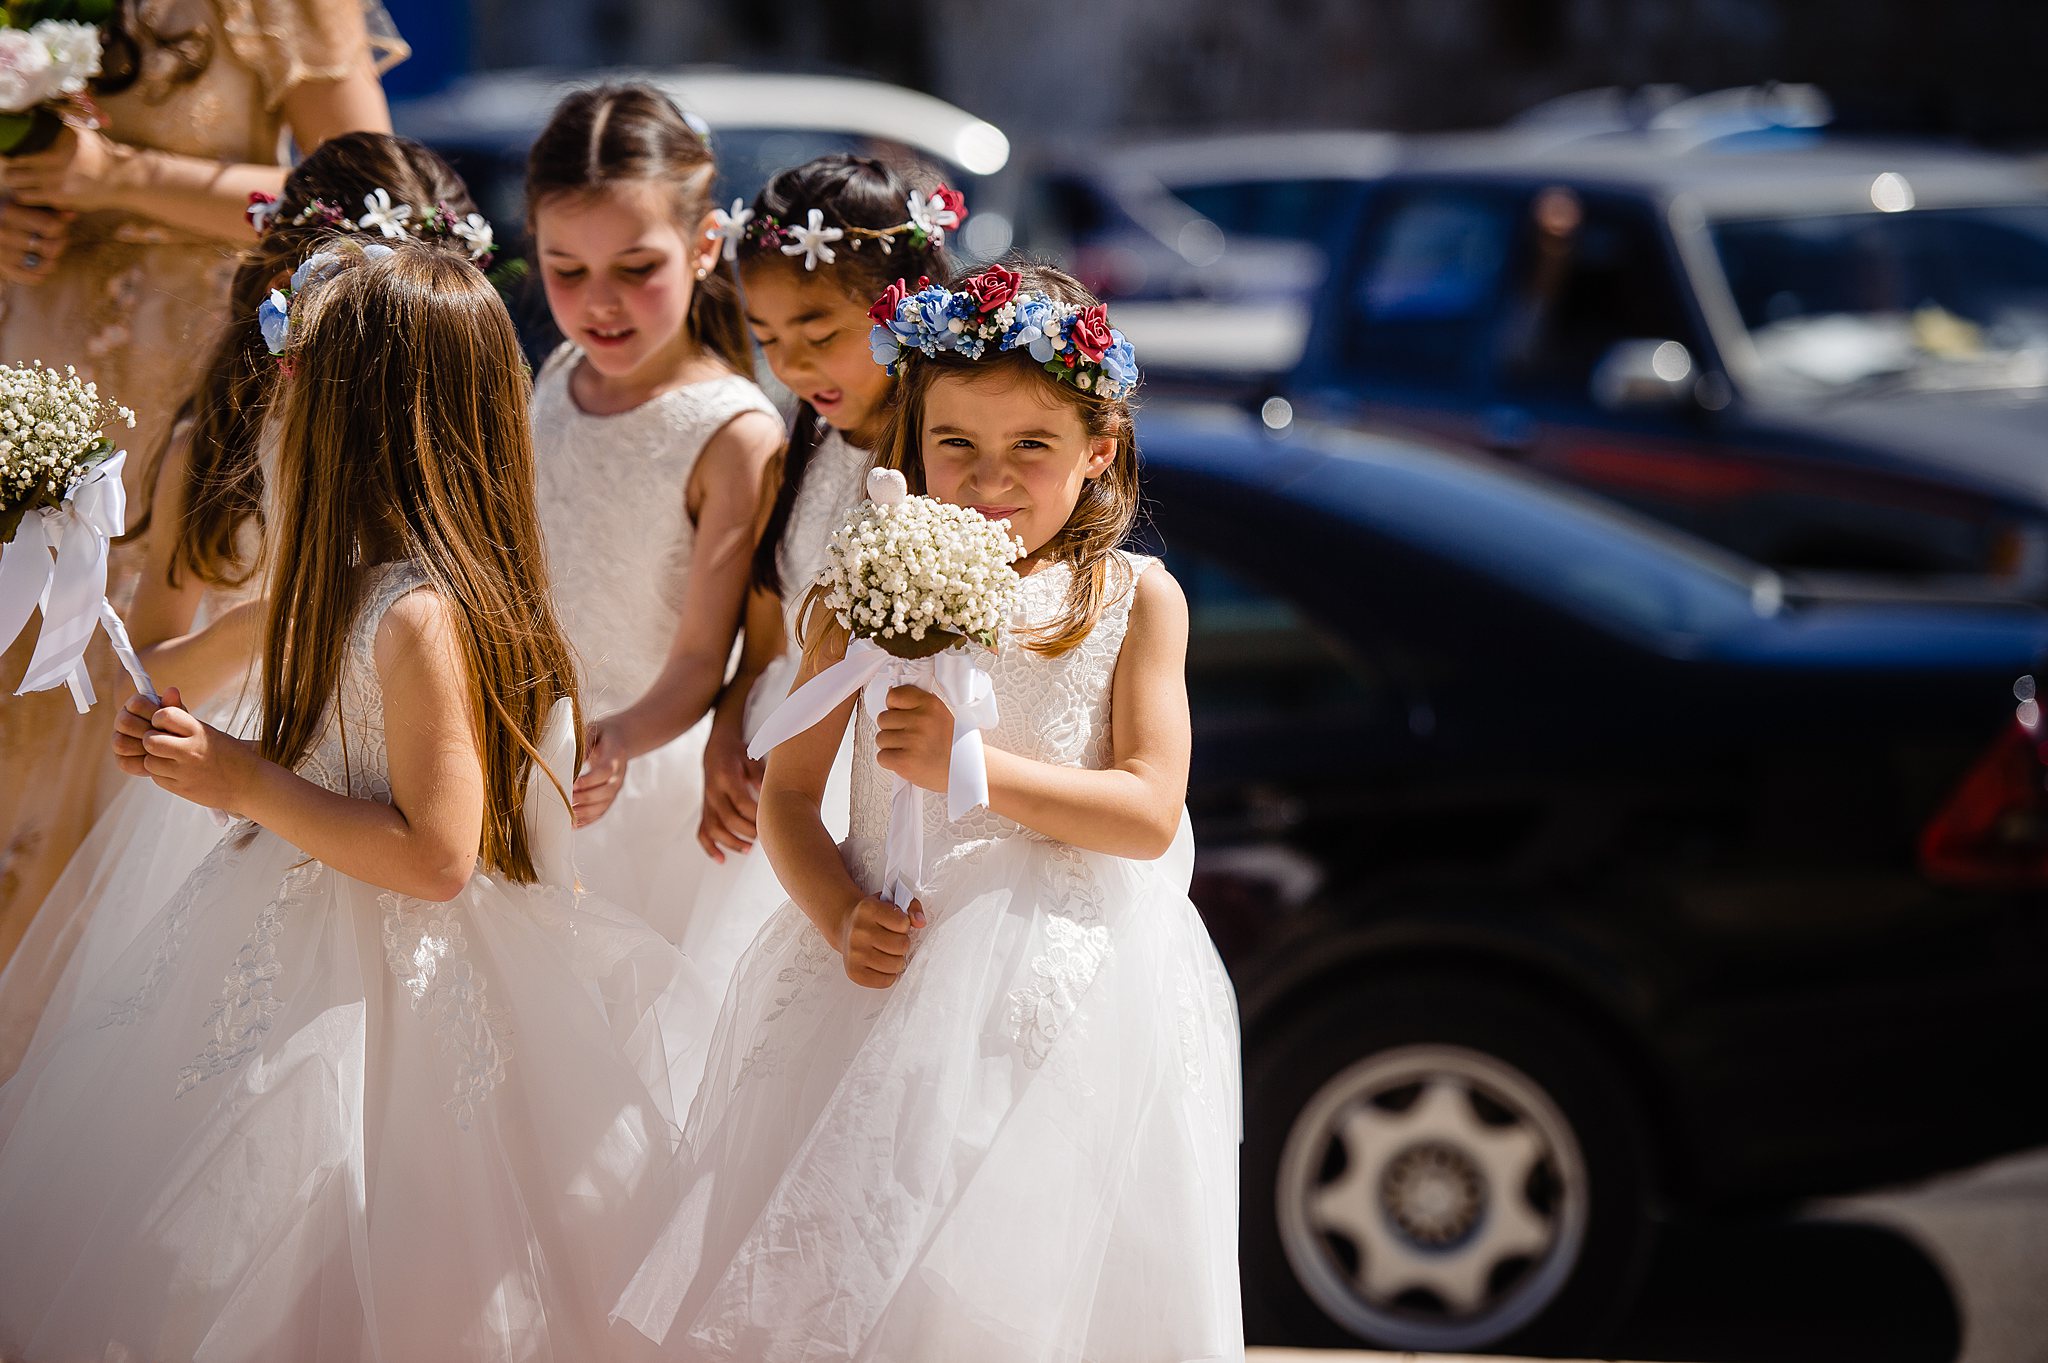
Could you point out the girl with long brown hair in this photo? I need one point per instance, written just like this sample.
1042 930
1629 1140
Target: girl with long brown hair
652 441
197 611
1000 1121
355 1092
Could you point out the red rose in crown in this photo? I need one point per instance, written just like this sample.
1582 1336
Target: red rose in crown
992 288
1090 333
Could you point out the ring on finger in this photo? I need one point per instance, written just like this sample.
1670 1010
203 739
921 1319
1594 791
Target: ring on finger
31 260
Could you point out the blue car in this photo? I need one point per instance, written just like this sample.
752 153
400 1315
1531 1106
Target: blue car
1574 872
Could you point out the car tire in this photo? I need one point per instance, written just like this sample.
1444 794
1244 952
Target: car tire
1478 1134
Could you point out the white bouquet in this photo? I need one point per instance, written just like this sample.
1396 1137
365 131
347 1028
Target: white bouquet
916 574
61 504
45 68
913 580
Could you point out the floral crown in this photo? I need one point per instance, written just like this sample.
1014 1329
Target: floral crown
273 315
1075 344
931 217
381 215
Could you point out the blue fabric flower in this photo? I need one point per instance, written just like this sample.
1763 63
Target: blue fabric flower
315 268
1120 362
272 317
1036 321
377 251
883 345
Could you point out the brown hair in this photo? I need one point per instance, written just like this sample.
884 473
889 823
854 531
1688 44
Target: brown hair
610 135
1108 506
221 420
405 426
848 191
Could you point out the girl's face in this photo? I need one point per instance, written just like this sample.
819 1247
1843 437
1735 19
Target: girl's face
815 337
620 272
997 441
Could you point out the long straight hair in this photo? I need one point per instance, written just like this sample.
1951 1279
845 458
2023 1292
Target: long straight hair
405 425
609 136
221 420
1107 510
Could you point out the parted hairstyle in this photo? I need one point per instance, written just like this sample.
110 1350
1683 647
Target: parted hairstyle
1107 510
848 191
405 428
607 136
221 420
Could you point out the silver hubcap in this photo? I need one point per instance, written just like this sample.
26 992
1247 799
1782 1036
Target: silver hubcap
1432 1197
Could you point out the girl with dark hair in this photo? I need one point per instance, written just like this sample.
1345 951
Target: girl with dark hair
652 441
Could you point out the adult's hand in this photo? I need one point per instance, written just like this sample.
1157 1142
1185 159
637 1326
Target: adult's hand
32 240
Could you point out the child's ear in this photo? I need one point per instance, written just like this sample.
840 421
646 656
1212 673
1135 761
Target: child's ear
709 243
1101 454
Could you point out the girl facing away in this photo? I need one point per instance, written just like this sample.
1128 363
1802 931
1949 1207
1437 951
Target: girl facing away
652 443
354 1091
197 613
1000 1123
810 317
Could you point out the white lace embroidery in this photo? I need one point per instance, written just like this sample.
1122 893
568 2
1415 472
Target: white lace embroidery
1076 944
248 1002
813 956
619 540
424 947
177 924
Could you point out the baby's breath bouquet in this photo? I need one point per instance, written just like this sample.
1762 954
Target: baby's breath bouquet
61 504
913 580
918 575
51 436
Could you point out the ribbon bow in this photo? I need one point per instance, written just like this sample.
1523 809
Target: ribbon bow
870 670
71 587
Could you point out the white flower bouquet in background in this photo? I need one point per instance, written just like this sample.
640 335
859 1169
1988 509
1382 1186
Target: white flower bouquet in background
61 504
50 50
912 580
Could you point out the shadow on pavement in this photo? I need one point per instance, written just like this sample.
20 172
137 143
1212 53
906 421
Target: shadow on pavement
1791 1292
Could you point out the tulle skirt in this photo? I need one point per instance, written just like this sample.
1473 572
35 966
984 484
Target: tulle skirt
643 854
1026 1149
139 851
303 1118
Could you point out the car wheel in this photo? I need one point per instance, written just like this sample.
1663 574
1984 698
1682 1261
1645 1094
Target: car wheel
1441 1164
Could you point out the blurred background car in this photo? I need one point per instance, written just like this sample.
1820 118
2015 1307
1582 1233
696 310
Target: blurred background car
1823 354
1573 871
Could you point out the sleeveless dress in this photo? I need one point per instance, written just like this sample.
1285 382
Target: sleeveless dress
137 853
619 542
308 1118
1025 1149
736 896
134 304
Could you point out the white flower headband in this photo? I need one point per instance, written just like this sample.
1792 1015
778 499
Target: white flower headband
931 217
386 218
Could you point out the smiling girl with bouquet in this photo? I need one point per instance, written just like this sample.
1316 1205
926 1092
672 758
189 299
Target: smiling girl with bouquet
998 1121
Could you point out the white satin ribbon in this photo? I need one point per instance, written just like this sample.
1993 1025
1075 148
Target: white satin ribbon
58 560
953 676
550 824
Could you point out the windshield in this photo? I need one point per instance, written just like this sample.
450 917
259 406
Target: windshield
1953 297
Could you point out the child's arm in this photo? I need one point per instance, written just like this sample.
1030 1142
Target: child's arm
871 934
732 780
424 843
208 661
161 610
722 501
1132 808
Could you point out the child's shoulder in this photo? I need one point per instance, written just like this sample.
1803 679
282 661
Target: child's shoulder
1156 601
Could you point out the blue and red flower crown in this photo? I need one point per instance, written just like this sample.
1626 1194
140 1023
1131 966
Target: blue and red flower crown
1075 344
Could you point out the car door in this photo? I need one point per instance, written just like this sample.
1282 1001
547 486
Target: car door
1401 340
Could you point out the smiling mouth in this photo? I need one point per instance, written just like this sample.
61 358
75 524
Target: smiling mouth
610 334
826 398
998 513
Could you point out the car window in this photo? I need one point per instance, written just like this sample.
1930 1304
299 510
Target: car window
1590 273
1289 210
1429 273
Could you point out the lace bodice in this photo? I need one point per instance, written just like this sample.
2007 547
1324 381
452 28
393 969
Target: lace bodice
832 483
619 539
351 757
1055 710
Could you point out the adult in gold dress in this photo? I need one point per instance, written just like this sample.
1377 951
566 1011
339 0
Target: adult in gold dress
116 247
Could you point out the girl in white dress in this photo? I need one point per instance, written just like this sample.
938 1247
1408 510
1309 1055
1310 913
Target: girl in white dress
809 315
196 613
651 443
1000 1124
354 1093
